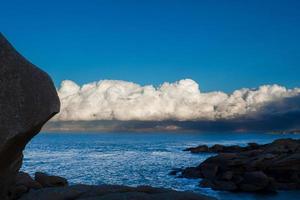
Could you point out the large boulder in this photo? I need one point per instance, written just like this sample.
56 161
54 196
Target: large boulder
28 99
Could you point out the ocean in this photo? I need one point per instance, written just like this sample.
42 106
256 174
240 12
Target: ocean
136 158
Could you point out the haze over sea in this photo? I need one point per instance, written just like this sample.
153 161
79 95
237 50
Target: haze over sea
133 158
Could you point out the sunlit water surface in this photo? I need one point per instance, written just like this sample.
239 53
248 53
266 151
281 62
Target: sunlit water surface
134 158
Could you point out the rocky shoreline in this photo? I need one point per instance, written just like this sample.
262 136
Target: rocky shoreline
47 187
253 168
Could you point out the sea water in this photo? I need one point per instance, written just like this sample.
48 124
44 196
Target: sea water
135 158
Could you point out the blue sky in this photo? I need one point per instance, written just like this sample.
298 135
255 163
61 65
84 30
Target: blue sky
223 45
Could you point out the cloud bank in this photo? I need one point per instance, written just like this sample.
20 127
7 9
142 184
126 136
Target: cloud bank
179 101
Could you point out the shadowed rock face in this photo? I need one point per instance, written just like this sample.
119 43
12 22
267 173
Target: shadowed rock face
28 99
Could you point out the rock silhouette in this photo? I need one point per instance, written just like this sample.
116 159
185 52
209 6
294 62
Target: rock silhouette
253 168
28 99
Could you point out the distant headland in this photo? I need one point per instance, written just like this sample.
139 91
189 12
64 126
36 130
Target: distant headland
167 126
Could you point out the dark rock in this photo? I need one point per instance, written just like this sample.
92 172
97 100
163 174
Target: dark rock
258 161
206 183
198 149
18 191
50 181
254 181
191 172
282 146
252 145
223 185
28 99
227 175
110 192
23 184
217 148
288 162
209 170
254 168
26 180
287 186
54 193
237 179
233 149
175 171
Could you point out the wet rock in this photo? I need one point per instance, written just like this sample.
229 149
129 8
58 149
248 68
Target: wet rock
191 172
110 192
199 149
254 168
206 183
224 185
175 171
28 99
253 145
282 146
24 183
255 181
227 175
54 193
26 180
217 148
19 190
209 170
50 181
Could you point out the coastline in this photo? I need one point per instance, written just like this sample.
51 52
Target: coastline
131 158
49 187
253 168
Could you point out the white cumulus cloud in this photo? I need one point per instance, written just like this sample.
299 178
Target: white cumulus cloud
182 100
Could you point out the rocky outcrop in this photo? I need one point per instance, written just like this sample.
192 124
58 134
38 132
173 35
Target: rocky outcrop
28 99
110 192
23 184
50 181
254 168
218 148
29 189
